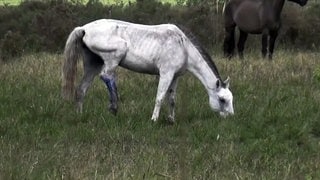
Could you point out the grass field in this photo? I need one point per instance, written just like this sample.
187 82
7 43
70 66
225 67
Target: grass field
274 134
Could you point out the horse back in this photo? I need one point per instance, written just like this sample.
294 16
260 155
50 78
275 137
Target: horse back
148 48
246 14
154 48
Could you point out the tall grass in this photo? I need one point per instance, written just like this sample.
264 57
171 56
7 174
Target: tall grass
274 134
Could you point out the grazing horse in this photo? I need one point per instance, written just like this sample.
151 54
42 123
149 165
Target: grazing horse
254 17
162 50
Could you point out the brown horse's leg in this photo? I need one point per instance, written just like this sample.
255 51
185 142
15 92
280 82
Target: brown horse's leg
273 37
229 44
264 44
242 40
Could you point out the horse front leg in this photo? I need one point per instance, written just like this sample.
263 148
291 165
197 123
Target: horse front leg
242 40
273 37
229 42
164 83
171 100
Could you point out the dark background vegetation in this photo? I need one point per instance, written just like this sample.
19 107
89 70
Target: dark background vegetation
35 26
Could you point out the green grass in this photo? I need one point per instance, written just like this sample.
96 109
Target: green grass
274 134
17 2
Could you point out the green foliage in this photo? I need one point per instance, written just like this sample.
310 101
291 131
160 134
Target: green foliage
316 74
39 26
12 45
45 25
309 28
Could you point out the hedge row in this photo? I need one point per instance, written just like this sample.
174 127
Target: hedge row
37 26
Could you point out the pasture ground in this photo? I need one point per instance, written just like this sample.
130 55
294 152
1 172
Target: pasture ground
274 134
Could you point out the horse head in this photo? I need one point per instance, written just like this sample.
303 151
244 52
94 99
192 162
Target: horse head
221 98
300 2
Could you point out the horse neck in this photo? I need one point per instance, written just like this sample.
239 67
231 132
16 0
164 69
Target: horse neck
200 68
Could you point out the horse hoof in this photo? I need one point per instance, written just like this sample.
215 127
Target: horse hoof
171 120
113 110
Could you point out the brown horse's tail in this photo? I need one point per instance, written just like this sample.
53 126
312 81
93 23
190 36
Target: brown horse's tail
72 53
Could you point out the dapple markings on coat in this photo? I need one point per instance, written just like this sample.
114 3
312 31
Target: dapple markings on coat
163 50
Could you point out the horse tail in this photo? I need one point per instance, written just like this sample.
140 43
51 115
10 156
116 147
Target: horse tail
72 52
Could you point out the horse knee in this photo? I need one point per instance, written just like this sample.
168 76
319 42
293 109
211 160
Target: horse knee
172 101
158 102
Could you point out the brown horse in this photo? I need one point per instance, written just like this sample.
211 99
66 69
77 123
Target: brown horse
254 17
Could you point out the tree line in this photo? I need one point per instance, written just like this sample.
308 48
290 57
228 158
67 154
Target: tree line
35 26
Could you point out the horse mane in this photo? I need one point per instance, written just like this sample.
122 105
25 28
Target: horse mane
203 52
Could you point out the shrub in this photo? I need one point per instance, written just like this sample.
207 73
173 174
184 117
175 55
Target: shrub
316 74
45 25
54 23
309 36
12 45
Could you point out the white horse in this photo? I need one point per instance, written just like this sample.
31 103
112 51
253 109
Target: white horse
162 50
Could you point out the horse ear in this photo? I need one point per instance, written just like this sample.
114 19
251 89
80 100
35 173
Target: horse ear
227 82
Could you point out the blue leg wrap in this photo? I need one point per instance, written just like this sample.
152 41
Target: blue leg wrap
112 87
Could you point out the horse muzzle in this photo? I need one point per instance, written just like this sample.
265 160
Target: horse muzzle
225 113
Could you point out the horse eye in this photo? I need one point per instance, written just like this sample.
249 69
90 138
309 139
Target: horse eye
222 100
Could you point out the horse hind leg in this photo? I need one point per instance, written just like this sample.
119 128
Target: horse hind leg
92 66
109 78
264 45
242 40
111 53
229 26
273 37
